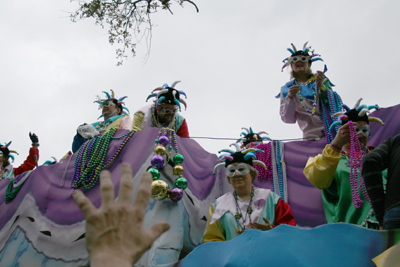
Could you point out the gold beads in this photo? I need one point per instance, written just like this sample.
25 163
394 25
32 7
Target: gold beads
159 189
160 150
178 170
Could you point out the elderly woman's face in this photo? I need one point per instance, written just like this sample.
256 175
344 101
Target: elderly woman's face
239 176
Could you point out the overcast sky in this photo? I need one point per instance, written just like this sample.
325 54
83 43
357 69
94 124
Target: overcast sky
228 57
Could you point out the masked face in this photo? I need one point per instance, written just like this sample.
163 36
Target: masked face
241 169
109 110
364 130
166 112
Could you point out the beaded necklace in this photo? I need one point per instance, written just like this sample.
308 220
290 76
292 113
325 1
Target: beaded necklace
240 229
90 159
335 103
309 82
103 125
355 162
160 189
2 173
265 157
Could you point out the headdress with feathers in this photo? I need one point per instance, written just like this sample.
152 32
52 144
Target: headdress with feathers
246 156
6 152
249 136
304 52
169 95
358 113
102 102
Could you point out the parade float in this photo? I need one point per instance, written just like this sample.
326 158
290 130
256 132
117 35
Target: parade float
42 226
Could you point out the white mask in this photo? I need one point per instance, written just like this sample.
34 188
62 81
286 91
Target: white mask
364 130
242 169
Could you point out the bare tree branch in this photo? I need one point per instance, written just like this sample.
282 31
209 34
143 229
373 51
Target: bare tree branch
124 19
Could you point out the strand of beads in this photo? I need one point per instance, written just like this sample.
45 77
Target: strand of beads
91 156
240 229
265 157
160 188
335 103
326 118
127 137
314 103
279 166
355 168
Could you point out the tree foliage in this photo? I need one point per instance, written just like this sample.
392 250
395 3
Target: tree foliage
128 21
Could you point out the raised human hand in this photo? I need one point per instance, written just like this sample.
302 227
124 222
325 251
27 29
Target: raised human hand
342 136
320 79
34 138
261 226
115 235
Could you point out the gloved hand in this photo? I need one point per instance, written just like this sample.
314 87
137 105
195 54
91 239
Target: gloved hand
87 131
34 138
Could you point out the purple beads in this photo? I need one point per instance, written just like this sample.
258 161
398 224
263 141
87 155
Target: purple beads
163 140
176 194
157 161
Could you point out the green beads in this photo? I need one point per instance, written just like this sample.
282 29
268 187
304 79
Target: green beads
178 159
181 183
155 173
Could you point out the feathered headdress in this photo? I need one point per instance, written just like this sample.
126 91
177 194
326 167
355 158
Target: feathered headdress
249 136
120 102
6 152
49 162
305 52
358 113
246 156
169 95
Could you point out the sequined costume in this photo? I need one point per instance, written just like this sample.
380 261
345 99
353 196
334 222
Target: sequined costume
143 119
221 222
330 173
10 172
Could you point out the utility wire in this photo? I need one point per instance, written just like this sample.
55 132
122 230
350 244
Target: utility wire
234 139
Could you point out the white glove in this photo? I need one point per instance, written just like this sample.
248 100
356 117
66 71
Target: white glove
87 131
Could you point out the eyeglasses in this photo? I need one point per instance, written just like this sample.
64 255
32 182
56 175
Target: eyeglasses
108 104
297 58
168 111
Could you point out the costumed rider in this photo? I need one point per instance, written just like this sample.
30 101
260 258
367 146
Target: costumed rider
114 115
308 98
163 113
337 171
247 207
386 203
7 170
252 139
